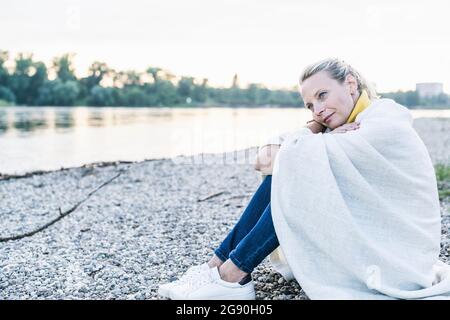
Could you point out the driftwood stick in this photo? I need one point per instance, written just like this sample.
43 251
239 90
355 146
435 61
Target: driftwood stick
211 196
61 214
42 172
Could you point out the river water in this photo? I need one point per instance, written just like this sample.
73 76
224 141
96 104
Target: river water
49 138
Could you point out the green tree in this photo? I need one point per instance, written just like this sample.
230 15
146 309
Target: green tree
252 94
4 74
38 78
167 93
235 95
97 72
58 93
200 93
134 96
131 78
100 96
186 87
7 95
118 78
154 73
235 81
20 80
63 66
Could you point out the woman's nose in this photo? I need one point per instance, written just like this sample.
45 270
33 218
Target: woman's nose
318 109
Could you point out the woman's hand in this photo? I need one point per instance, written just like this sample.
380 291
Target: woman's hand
346 127
316 127
266 158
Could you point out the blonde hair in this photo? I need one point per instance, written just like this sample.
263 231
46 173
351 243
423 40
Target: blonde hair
338 70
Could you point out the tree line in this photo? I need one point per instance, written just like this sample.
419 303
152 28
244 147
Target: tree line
31 83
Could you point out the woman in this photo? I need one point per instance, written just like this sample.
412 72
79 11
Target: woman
351 199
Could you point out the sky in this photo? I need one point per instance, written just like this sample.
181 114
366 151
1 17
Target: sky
394 44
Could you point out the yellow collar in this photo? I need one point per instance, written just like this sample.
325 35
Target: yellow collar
362 103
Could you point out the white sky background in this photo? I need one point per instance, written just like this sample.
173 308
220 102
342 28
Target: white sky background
394 44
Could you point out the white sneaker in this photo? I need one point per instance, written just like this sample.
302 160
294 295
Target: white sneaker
208 285
165 289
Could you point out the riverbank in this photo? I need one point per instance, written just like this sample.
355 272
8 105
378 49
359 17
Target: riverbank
144 228
139 224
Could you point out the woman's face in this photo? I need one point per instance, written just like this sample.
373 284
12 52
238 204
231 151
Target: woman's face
330 102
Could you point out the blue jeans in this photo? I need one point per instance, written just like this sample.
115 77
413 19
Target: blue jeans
253 237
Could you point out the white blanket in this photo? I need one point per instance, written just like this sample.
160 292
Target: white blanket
357 214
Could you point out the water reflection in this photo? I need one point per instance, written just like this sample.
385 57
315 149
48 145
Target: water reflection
44 138
17 121
25 120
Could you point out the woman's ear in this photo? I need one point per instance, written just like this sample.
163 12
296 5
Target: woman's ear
352 84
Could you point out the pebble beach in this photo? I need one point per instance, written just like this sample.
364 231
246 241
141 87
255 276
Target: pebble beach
140 224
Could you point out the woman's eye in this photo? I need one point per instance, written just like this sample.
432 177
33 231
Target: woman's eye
322 95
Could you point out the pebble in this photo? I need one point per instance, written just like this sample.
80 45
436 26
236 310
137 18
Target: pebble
110 261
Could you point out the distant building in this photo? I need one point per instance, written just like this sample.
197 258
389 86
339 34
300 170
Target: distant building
427 89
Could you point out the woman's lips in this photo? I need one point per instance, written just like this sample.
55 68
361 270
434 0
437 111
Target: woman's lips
327 119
